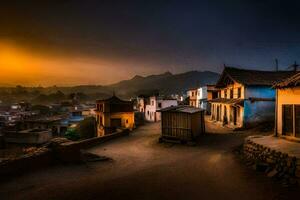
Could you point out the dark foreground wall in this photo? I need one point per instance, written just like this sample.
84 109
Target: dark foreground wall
54 153
26 163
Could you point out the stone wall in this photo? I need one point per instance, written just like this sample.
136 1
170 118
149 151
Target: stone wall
274 163
40 158
58 150
71 151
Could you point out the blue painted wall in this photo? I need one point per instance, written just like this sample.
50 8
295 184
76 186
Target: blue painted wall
258 111
259 92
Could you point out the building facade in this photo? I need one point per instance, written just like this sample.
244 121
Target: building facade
246 97
155 104
212 93
288 107
201 101
192 94
113 114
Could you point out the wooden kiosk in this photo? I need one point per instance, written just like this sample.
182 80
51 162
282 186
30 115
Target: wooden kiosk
182 123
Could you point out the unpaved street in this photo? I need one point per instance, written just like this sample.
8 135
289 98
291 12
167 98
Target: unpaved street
144 169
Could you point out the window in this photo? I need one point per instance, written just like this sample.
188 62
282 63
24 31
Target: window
152 103
231 93
126 121
297 121
101 107
159 105
239 93
100 121
192 94
225 93
291 120
287 111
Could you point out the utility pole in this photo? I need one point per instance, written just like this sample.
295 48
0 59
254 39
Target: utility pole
295 66
276 64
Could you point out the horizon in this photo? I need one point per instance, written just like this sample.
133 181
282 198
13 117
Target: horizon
98 85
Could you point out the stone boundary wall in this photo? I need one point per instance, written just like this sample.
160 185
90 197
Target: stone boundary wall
39 159
71 151
274 163
55 152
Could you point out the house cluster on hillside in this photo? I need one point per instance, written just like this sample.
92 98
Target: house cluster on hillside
241 98
27 124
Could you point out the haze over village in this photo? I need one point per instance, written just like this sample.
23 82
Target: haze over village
149 99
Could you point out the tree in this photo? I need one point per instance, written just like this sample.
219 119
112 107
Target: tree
87 128
72 134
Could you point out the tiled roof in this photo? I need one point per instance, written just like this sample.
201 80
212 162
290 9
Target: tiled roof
181 108
252 77
228 101
113 99
291 81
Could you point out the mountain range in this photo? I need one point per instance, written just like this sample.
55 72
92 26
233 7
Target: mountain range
166 83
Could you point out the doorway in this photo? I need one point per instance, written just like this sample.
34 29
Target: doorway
234 115
287 112
115 123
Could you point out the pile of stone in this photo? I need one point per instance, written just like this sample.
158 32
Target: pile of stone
275 164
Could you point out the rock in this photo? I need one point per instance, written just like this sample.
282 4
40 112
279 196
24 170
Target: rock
293 181
297 172
272 173
261 167
270 160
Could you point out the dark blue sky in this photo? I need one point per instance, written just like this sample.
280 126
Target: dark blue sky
163 35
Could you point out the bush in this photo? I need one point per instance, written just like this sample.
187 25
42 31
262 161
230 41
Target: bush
87 128
72 134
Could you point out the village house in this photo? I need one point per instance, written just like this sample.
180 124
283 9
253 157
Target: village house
192 95
58 124
201 99
141 102
212 93
201 96
246 97
112 114
155 104
288 107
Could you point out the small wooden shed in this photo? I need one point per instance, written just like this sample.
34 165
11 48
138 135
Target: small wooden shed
184 123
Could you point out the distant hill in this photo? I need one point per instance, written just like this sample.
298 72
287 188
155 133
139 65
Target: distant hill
166 83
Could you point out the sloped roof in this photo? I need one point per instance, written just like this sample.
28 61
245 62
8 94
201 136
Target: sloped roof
181 108
113 99
228 101
252 77
291 81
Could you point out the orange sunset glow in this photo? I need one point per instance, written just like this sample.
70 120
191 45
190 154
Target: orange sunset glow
20 65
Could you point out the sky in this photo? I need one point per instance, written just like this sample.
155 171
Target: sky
65 42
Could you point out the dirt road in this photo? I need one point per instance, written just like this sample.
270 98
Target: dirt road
144 169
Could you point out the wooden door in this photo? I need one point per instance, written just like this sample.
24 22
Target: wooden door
297 121
115 123
287 112
234 115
